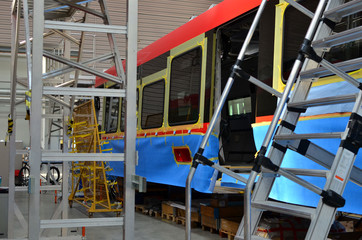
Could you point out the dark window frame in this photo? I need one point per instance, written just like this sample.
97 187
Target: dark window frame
199 93
162 80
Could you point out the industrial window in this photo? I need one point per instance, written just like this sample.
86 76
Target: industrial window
111 114
185 81
152 105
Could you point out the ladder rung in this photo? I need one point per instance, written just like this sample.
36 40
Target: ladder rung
303 172
336 14
294 210
309 136
324 101
346 66
338 38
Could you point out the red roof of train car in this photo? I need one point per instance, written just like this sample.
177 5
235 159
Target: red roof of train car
221 13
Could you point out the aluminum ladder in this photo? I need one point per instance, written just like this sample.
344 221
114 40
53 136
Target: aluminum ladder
280 137
237 74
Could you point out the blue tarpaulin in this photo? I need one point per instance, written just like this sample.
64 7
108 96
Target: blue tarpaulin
157 164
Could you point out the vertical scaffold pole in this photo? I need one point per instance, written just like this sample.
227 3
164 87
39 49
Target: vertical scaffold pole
15 19
131 124
35 120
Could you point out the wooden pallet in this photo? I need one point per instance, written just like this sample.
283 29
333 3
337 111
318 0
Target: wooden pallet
154 213
170 217
227 234
210 229
182 220
141 208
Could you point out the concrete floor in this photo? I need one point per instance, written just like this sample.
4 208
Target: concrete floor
146 227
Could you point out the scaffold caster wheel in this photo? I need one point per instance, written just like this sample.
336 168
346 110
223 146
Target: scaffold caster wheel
90 214
70 203
118 214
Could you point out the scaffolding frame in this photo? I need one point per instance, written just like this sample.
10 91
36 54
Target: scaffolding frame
35 52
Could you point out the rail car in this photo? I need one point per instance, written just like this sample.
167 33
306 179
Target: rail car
180 80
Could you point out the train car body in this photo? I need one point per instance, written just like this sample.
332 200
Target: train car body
180 80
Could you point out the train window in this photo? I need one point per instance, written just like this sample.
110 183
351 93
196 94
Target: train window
111 114
185 81
153 105
239 106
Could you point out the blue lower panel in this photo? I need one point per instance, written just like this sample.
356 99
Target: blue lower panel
157 163
288 191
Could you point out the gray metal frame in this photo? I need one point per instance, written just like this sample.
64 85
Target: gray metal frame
34 45
15 19
323 216
130 124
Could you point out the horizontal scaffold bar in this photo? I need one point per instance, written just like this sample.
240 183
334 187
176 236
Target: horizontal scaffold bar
82 157
82 222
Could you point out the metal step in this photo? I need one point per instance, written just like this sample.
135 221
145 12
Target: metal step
336 14
320 156
323 101
337 39
346 66
294 210
308 136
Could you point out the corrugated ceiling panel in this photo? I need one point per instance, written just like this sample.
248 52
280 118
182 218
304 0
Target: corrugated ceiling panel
156 19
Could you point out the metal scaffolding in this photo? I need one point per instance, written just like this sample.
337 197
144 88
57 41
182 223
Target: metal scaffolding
59 18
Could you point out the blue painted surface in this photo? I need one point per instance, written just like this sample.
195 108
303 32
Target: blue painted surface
156 161
288 191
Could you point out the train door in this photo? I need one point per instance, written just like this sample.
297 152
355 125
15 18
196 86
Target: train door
245 103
